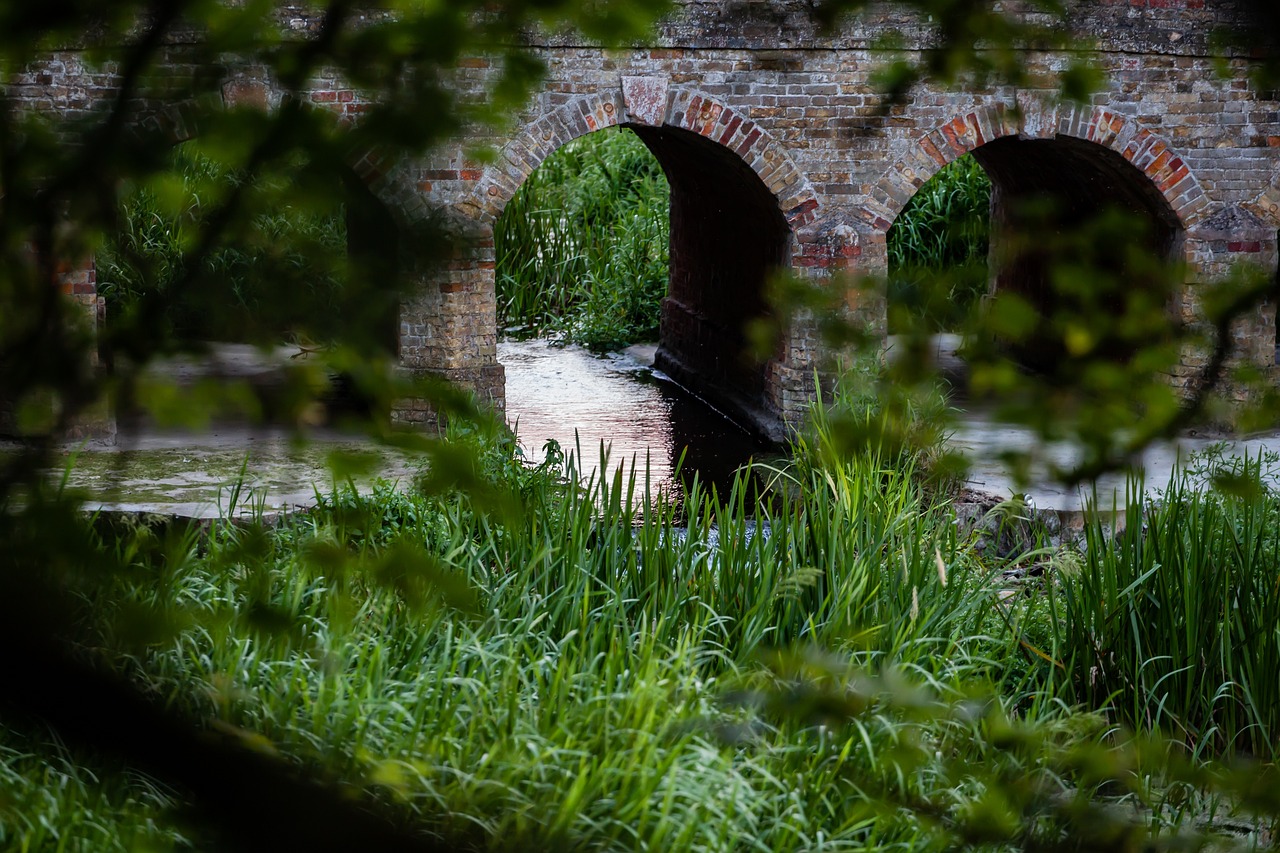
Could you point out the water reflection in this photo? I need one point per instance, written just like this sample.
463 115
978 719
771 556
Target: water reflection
583 400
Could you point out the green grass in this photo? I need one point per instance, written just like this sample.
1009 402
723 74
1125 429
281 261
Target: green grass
1174 621
582 248
588 673
938 250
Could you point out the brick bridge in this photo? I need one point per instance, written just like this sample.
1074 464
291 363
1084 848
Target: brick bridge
780 154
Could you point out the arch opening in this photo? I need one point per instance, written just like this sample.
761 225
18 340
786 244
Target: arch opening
937 251
1081 249
581 248
1087 240
315 264
722 234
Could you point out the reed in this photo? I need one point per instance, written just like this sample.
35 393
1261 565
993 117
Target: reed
571 691
1173 622
817 672
938 250
582 248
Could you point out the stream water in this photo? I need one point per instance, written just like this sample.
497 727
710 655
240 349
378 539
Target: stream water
585 401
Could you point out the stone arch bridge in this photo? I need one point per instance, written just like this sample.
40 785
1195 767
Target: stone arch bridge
781 153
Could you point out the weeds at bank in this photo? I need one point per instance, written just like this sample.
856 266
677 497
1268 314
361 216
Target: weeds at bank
582 674
582 247
1174 621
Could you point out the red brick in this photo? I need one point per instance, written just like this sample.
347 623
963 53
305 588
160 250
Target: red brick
932 150
729 131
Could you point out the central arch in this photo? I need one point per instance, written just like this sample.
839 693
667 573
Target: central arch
737 201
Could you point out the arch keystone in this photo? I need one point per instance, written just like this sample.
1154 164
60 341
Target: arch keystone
1037 114
830 243
645 99
1236 226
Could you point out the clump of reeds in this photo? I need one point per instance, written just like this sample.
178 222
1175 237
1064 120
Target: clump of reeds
1173 620
582 248
832 669
938 250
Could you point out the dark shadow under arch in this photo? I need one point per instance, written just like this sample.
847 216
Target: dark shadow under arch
727 236
1082 179
1065 201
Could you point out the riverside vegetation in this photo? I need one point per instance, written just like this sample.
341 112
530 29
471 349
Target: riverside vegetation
286 275
582 253
504 658
541 663
582 247
566 665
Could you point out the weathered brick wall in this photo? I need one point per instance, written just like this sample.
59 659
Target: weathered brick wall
800 110
754 83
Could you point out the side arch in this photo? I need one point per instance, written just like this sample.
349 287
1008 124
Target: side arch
1035 118
1087 158
381 209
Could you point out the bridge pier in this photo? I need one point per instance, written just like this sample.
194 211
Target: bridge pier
448 331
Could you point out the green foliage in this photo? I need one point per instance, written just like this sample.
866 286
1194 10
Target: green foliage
55 799
70 180
582 247
284 279
1173 618
955 770
584 707
938 250
593 676
511 660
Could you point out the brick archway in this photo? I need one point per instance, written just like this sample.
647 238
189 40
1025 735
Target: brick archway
1036 118
740 208
1086 160
677 107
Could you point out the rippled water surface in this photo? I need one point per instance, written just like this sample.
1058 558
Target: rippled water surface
620 400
